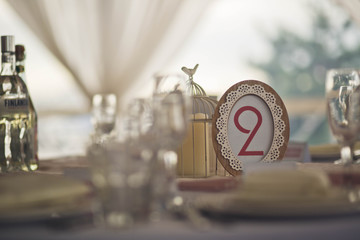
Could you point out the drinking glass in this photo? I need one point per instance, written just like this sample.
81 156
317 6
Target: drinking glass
122 170
104 113
121 175
343 108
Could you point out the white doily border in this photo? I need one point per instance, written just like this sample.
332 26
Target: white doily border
224 112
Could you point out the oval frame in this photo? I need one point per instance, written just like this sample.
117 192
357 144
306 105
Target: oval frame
281 127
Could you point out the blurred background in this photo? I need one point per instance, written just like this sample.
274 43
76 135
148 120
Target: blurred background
77 48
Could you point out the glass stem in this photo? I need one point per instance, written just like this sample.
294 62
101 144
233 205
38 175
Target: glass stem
347 154
347 158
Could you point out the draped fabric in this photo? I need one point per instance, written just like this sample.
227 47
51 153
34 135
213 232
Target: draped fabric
110 45
352 6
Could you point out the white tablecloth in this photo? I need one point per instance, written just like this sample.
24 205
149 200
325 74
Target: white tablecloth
330 228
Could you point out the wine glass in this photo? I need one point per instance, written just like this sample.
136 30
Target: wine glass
171 110
104 113
343 107
171 104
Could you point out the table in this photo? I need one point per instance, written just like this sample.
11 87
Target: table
337 227
346 227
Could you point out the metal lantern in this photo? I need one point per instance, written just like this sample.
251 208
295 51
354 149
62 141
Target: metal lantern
196 156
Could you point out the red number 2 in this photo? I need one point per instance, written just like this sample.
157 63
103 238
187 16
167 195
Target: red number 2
243 151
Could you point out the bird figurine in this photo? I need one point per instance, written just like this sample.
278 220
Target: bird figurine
190 72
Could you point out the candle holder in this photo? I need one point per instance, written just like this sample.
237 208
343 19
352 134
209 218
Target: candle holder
196 155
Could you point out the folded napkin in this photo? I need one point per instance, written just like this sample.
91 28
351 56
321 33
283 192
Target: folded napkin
40 193
281 192
285 185
329 152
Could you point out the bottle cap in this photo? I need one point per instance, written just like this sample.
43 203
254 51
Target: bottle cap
7 44
19 52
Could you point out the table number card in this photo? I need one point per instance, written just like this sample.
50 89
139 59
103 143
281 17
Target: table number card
250 124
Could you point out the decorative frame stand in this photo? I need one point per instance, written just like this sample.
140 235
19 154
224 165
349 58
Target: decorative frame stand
250 124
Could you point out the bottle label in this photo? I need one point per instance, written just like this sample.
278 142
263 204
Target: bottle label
14 105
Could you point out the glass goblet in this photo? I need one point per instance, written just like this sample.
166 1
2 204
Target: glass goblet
343 108
171 110
171 115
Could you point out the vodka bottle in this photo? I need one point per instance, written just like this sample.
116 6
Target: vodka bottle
16 132
20 71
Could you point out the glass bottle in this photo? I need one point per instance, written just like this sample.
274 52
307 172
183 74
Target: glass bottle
16 141
20 71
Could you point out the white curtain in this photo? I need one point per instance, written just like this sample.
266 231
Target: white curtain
352 6
111 45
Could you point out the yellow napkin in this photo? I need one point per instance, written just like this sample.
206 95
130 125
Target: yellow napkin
40 193
284 184
282 192
328 150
